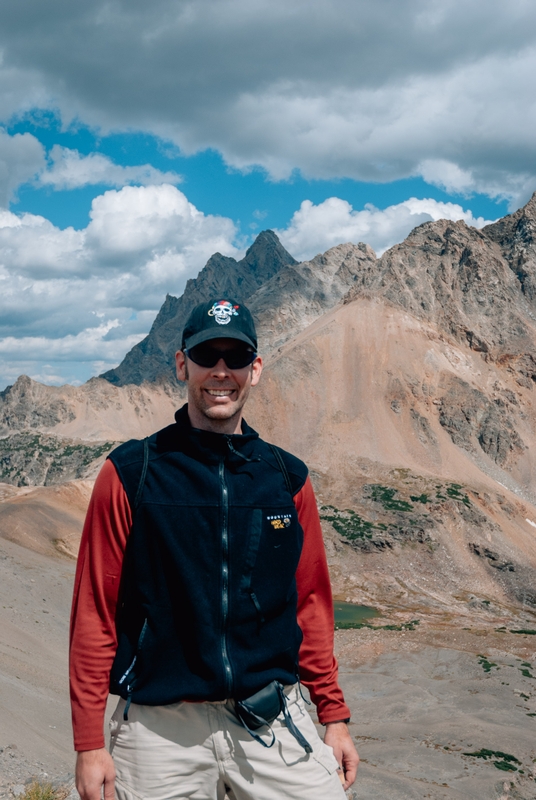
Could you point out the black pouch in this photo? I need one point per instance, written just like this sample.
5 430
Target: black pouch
262 708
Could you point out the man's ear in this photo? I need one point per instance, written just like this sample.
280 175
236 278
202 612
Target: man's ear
181 366
256 369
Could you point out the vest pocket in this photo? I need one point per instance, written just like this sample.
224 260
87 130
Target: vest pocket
273 553
258 609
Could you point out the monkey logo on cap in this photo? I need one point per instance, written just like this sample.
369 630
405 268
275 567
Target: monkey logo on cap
222 311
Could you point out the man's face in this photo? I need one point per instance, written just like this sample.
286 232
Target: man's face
216 395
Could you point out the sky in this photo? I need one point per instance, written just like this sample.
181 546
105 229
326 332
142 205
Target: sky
138 139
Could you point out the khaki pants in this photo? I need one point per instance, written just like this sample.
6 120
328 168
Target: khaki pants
201 751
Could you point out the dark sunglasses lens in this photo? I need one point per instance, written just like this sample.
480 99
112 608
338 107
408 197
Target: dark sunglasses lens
206 356
238 359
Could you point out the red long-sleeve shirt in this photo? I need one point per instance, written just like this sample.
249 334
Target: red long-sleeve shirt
93 639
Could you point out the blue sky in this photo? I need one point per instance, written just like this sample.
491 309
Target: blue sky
250 198
137 140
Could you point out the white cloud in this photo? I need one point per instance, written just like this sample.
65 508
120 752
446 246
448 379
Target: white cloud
314 229
355 88
21 158
446 175
69 170
154 220
79 299
87 345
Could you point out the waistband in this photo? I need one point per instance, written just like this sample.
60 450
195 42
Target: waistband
288 689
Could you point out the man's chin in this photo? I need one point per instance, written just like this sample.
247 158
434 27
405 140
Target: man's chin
221 412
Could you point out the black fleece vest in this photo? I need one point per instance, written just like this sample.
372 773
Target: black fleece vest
207 606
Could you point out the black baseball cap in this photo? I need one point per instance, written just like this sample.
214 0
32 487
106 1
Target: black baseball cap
219 319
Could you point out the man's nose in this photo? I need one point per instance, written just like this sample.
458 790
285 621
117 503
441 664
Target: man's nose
221 368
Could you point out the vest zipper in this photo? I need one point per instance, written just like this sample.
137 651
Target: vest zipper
130 686
225 580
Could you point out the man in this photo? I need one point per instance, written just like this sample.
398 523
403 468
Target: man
202 594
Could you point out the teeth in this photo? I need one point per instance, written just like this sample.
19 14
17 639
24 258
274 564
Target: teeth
220 392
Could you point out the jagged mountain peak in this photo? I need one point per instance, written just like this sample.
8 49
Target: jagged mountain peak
152 359
267 245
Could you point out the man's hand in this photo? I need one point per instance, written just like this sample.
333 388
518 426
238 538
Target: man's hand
95 769
338 737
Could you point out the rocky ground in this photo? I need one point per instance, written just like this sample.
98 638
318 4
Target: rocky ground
442 712
443 709
34 713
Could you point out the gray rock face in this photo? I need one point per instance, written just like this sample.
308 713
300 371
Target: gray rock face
33 459
473 420
28 404
300 293
477 286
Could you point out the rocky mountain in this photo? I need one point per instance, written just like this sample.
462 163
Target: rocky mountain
477 286
95 411
405 382
284 297
51 434
423 456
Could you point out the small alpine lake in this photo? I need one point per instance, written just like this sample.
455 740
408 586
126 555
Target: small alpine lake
348 614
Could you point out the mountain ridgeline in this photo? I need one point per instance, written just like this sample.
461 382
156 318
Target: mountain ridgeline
476 285
407 383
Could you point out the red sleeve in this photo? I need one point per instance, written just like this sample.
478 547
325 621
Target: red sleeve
318 665
93 639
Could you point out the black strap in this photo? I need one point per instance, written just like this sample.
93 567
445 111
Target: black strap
289 722
261 722
282 467
143 472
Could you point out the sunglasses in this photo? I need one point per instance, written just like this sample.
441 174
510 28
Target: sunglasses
206 356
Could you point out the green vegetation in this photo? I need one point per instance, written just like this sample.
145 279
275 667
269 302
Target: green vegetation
503 761
404 514
404 626
485 664
348 523
527 674
386 496
421 498
526 631
453 491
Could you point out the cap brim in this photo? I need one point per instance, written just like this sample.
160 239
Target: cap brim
206 336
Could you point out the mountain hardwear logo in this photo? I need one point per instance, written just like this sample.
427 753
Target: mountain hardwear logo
222 311
279 521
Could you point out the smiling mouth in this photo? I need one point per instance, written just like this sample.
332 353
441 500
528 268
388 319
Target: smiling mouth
219 392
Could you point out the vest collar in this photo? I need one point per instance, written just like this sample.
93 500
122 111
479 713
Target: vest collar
236 448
